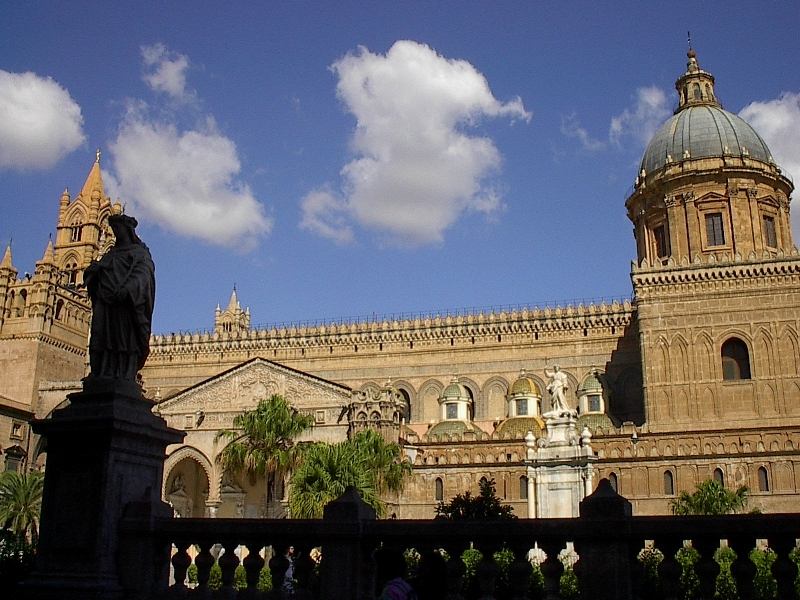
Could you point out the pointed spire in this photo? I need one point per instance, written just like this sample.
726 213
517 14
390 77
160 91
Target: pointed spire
6 263
94 181
233 303
49 256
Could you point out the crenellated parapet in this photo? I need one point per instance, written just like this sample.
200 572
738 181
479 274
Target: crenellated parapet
427 331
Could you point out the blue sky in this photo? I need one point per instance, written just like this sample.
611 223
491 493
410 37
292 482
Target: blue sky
350 158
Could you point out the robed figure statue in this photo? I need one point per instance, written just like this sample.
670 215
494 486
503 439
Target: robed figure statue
122 288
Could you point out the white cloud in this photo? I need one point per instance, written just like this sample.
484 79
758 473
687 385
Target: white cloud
571 127
325 214
40 123
649 111
165 71
416 171
778 122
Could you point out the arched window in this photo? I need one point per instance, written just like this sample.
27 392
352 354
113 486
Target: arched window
523 488
669 483
612 479
59 308
406 412
719 476
735 360
439 489
763 480
696 91
75 231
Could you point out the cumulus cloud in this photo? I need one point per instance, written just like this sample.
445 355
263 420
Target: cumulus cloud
165 71
40 123
571 127
778 122
415 170
184 179
640 121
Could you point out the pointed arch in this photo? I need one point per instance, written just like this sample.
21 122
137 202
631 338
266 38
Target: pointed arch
679 352
495 390
764 355
789 353
704 353
200 458
735 358
662 366
428 400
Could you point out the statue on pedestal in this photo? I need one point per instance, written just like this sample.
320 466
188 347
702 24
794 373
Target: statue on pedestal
122 289
557 387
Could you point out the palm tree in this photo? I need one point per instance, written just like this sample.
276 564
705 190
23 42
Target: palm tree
21 502
262 441
710 498
326 472
366 462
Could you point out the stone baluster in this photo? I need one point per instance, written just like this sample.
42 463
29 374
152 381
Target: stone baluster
707 568
551 568
180 564
203 561
743 569
669 571
228 563
783 569
253 563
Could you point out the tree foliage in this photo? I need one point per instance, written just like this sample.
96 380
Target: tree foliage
21 502
710 498
366 462
262 441
485 506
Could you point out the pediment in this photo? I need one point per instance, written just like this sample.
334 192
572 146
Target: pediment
242 387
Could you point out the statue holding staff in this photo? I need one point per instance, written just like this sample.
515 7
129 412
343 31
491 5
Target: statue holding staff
122 288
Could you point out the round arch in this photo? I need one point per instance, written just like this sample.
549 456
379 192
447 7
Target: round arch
201 459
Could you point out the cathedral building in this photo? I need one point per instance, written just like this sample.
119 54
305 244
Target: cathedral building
696 376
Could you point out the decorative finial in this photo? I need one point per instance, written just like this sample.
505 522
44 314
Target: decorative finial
98 155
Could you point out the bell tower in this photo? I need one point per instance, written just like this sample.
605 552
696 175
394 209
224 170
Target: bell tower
82 232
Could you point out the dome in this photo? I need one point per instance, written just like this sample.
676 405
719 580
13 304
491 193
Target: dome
518 427
703 131
524 385
595 422
455 391
591 384
451 428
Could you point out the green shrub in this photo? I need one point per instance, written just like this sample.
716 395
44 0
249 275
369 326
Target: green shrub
764 585
687 558
240 578
568 584
191 573
725 587
264 580
215 578
650 558
537 581
794 556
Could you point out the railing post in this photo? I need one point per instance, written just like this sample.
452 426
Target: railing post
604 565
347 561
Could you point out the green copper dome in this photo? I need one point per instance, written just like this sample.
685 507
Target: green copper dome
702 132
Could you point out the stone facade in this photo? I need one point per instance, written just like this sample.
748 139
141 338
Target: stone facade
696 375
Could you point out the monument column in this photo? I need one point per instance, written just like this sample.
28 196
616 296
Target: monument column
105 450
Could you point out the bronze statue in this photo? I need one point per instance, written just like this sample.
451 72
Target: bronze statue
122 288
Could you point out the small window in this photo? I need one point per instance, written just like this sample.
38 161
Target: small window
522 407
452 410
763 480
735 360
715 233
612 479
523 488
696 91
719 477
594 403
439 489
770 237
662 244
669 484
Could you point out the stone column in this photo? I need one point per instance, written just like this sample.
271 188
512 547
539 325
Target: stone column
531 493
105 458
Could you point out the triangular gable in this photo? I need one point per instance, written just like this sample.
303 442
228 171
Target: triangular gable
241 387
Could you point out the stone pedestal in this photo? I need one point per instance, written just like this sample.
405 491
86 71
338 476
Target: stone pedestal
560 468
105 453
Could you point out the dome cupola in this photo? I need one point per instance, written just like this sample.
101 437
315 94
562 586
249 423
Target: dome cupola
707 184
